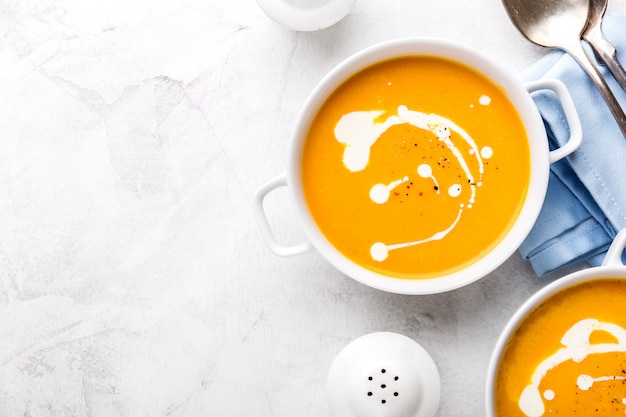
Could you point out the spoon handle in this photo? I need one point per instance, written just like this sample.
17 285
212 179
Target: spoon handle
576 50
606 53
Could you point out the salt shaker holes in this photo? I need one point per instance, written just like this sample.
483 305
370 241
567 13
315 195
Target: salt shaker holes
383 385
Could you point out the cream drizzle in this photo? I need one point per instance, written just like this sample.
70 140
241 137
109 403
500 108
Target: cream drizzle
359 130
379 193
380 251
585 382
425 171
576 348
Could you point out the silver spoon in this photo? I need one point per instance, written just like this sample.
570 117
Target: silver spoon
601 46
560 24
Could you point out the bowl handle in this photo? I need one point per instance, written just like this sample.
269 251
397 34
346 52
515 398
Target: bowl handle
614 254
266 230
571 116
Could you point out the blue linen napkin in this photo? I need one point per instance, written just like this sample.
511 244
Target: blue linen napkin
585 205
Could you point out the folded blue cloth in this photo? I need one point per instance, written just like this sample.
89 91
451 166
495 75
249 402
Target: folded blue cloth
585 204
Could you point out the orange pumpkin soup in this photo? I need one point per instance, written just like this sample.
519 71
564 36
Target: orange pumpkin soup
568 357
416 167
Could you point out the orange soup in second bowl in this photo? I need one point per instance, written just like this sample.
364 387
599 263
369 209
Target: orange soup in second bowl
416 167
568 356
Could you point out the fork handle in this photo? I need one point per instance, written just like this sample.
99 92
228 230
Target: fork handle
605 51
577 51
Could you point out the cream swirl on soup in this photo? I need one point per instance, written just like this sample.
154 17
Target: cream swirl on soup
358 131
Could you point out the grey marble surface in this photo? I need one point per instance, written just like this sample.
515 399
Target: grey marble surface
134 280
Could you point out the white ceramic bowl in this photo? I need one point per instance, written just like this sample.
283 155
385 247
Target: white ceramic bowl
540 156
612 267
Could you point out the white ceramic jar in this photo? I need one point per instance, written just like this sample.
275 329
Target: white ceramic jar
306 15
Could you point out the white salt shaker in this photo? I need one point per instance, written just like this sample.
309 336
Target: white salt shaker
383 375
306 15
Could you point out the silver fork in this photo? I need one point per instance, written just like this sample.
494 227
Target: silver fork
603 49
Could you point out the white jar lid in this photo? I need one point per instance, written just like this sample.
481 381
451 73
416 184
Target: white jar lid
306 15
383 375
